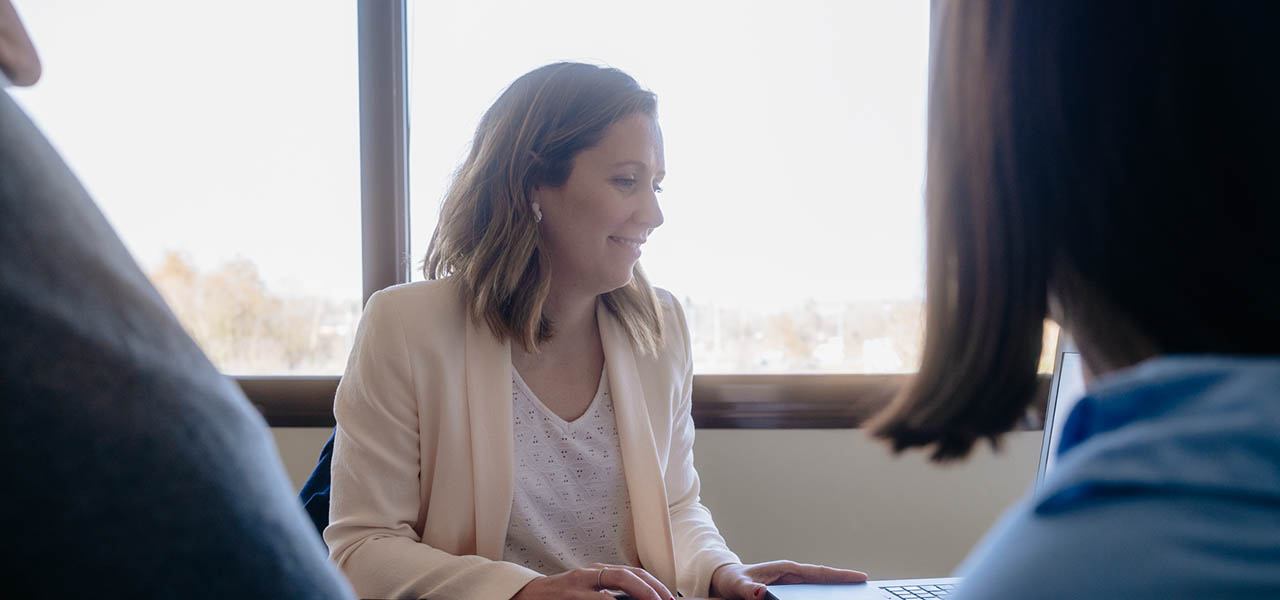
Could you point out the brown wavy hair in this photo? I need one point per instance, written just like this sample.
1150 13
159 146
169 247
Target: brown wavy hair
1114 159
487 236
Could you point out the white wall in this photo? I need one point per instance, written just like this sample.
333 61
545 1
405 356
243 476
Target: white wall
299 449
828 496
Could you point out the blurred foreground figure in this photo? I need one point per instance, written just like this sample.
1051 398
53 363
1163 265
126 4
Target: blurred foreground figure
1112 166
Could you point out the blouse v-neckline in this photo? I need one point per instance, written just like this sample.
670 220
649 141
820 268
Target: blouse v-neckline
565 425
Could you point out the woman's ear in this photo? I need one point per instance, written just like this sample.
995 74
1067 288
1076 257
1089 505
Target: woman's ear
545 197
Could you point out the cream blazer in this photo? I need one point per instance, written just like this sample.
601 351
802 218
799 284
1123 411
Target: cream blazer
422 465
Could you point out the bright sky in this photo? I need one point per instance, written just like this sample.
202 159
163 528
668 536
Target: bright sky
794 131
221 129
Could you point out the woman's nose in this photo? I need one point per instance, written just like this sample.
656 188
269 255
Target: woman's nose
650 214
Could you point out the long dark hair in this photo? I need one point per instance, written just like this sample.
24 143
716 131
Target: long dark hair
1118 159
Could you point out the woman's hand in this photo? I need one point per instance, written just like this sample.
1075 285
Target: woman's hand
747 582
591 580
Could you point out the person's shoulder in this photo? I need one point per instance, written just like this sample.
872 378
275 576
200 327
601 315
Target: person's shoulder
425 318
1126 544
434 292
675 326
669 307
665 297
1057 556
418 301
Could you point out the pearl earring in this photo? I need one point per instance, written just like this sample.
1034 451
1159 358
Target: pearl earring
537 212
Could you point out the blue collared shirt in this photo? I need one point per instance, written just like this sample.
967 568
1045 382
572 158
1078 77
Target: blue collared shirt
1167 486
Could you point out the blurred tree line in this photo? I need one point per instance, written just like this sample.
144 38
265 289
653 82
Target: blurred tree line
248 329
873 336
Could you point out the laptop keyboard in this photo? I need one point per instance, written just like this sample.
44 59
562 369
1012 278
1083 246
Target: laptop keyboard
919 592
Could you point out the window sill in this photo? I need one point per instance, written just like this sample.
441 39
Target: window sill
719 401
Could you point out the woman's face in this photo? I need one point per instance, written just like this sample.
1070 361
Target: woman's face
594 225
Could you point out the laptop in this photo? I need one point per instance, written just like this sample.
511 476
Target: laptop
1066 388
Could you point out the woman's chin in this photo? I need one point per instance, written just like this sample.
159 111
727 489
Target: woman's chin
618 283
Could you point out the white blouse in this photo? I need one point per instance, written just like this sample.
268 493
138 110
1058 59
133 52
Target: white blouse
570 506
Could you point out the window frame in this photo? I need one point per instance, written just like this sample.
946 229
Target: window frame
843 401
784 401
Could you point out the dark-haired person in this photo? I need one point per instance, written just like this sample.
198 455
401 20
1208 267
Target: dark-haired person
519 425
131 467
1112 166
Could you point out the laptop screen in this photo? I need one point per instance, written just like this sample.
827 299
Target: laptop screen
1067 388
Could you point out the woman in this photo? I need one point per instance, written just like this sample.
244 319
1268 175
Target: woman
519 426
1112 166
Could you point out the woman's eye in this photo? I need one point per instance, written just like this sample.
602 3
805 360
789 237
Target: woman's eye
657 189
625 181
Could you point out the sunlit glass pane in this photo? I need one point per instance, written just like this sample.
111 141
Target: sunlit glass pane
221 141
794 147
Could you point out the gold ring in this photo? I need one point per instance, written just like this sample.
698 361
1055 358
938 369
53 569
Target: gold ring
599 575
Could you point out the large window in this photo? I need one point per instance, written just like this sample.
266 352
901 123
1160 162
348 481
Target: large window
795 157
221 141
253 157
